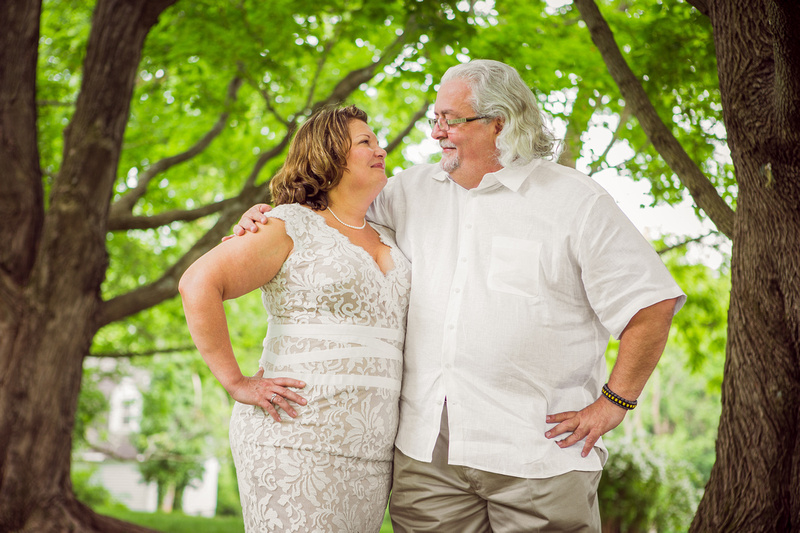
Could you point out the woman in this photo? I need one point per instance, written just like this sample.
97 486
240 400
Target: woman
336 290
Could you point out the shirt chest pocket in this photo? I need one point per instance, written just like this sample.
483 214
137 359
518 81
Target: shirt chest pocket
514 266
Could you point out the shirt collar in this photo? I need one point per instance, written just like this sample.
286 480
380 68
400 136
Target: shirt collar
440 175
510 177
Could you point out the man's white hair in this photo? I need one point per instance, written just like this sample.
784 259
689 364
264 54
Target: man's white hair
499 92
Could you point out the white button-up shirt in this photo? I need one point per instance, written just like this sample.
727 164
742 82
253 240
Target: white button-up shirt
517 286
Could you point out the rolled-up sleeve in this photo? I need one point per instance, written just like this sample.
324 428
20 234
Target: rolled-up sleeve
621 272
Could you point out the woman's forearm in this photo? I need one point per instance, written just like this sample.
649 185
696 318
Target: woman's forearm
208 326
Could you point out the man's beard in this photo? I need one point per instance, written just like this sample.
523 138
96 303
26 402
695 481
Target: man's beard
451 163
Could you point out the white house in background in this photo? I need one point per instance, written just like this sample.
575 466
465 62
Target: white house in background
117 471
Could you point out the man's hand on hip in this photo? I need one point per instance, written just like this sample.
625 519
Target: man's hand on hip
591 423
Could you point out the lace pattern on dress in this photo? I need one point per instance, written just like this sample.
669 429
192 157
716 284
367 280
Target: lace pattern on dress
336 322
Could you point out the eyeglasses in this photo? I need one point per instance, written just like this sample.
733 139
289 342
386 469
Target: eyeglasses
444 124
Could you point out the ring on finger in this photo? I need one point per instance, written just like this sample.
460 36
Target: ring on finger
273 397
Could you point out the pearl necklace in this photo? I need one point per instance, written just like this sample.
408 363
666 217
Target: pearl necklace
362 226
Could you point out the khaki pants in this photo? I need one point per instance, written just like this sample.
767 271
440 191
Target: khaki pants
442 498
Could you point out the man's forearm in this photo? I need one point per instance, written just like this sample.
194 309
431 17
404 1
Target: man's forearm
641 345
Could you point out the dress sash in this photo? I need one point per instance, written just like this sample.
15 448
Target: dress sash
372 342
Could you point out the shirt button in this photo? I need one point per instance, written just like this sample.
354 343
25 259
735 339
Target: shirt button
451 326
457 290
469 226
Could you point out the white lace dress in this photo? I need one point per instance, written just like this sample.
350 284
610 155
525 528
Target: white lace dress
337 323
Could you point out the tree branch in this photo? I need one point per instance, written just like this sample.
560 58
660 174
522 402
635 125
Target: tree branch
125 204
54 103
699 186
624 116
681 244
124 355
268 101
321 64
127 222
356 77
700 5
398 139
348 85
166 287
572 137
108 451
266 156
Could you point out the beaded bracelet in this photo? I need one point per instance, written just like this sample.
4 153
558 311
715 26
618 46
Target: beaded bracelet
617 399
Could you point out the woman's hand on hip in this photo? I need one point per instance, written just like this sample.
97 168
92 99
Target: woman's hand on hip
269 393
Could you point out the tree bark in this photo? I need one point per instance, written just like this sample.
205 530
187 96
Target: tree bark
51 296
21 205
753 484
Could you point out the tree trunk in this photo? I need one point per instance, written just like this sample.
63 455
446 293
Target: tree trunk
177 501
754 482
50 304
166 496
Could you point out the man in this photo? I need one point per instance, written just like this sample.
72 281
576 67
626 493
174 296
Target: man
521 270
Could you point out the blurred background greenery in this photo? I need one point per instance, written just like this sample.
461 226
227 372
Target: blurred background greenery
221 86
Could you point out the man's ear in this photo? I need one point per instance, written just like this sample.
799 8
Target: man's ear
498 126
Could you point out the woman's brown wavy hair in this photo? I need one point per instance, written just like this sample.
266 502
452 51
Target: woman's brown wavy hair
317 158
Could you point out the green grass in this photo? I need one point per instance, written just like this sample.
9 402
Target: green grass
181 523
387 523
176 522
